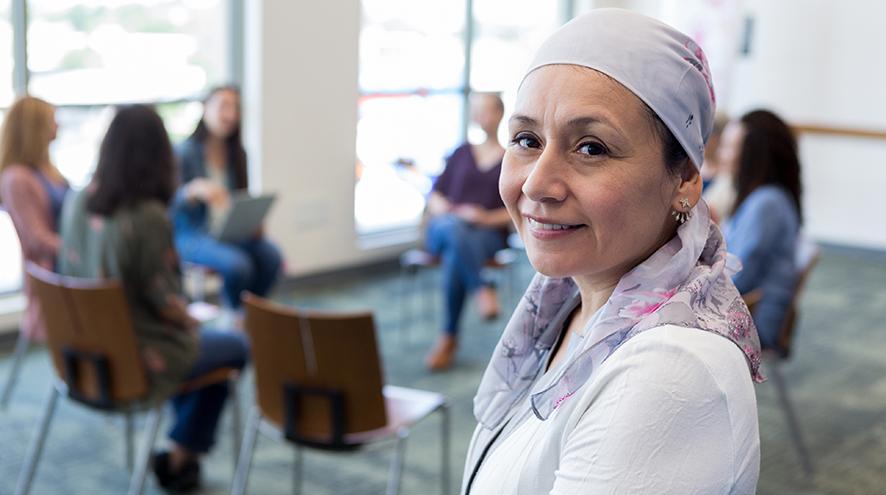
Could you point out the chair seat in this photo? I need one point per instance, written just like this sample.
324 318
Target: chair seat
405 407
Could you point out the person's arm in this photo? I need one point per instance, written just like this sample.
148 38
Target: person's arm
20 190
156 268
752 234
438 204
477 215
662 424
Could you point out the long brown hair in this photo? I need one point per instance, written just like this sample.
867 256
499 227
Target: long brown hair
234 142
135 162
26 134
768 156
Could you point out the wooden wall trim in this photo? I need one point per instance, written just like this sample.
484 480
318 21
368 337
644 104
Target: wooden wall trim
839 131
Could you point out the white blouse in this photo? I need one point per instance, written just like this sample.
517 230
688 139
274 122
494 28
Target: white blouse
672 411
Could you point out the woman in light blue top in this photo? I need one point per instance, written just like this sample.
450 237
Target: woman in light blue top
766 217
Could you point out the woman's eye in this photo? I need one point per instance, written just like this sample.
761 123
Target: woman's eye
524 141
592 149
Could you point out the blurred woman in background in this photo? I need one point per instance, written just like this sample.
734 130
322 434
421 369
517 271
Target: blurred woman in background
118 227
213 167
468 224
765 220
32 191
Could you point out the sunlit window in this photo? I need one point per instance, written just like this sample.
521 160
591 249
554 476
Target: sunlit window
113 51
411 79
87 56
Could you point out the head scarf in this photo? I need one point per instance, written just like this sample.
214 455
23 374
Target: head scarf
660 65
686 282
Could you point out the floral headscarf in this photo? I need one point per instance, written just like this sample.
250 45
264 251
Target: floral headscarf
686 283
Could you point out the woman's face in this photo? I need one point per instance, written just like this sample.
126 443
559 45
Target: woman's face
222 113
584 178
729 149
486 113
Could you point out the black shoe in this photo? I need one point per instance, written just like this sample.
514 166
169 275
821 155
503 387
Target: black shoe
186 480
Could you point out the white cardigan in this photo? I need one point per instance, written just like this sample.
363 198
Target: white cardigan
672 411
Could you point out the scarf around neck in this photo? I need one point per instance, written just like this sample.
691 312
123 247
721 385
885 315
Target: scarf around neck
685 283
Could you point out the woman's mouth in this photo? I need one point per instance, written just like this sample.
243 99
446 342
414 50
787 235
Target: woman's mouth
549 229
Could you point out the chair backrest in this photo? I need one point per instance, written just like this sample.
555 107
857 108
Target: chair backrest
90 336
805 258
306 362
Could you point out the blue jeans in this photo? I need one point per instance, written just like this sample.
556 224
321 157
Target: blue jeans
252 265
197 412
463 249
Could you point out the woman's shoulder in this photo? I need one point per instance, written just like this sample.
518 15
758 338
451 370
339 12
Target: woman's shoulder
769 196
18 174
695 361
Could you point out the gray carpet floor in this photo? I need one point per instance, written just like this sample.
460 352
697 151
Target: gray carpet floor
837 380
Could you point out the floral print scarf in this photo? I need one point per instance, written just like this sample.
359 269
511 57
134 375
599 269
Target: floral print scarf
686 283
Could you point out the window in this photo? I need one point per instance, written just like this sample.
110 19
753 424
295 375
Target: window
411 79
117 51
413 88
87 56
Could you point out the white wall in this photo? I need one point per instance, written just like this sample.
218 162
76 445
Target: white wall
821 62
300 104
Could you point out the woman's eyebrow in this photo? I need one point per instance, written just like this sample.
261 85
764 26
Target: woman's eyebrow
522 119
578 122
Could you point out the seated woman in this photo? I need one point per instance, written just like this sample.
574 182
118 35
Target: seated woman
118 227
468 224
628 366
32 191
762 153
212 167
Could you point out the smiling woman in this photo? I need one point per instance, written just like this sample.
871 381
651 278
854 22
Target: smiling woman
628 366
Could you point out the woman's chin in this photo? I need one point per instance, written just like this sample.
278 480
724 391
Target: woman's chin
551 268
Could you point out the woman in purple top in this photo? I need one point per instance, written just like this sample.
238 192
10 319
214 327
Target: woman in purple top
468 224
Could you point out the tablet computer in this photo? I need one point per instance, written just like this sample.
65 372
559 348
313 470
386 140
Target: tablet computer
244 217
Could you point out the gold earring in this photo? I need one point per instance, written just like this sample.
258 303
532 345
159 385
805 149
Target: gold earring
682 216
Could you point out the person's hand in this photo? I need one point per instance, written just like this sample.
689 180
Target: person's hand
473 214
209 192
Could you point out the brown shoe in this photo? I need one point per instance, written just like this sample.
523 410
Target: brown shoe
443 353
487 301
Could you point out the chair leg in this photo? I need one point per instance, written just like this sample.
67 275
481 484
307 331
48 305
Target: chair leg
404 293
129 433
396 475
26 476
250 436
791 417
137 482
444 450
21 348
297 470
235 421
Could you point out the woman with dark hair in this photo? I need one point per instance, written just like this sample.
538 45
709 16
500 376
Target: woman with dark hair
761 151
118 228
212 167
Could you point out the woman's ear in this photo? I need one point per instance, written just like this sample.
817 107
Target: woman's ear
688 191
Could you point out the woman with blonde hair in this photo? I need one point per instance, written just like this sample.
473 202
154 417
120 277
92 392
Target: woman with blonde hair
32 190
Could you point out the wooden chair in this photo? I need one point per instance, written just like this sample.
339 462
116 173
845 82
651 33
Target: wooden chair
806 257
319 385
413 261
97 363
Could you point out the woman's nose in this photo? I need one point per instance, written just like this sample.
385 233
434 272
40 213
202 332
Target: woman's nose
546 182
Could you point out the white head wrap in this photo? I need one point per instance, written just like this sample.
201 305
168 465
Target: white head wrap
662 66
